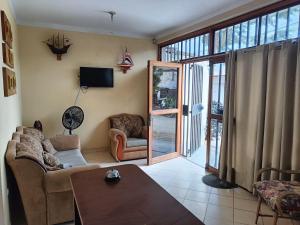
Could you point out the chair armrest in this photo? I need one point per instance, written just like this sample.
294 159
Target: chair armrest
59 180
65 142
264 170
113 133
145 132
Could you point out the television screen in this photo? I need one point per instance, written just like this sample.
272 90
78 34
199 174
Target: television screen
96 77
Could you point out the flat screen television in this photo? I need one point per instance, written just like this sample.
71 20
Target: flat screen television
96 77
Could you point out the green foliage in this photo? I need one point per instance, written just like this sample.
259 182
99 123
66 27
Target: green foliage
170 102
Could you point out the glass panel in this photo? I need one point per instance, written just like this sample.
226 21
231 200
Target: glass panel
192 54
243 37
201 45
164 88
197 46
184 49
218 86
271 23
252 33
215 143
223 40
294 22
229 38
282 25
164 134
164 54
263 30
206 43
217 41
236 43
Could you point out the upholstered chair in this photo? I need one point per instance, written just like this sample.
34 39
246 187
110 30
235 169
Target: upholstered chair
128 137
283 197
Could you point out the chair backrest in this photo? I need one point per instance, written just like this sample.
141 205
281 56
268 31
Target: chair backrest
130 124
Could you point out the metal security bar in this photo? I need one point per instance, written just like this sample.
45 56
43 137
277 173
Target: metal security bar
277 22
280 25
190 48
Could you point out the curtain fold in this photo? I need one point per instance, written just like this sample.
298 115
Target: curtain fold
262 96
226 158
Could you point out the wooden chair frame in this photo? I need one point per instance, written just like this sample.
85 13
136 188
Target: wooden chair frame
278 213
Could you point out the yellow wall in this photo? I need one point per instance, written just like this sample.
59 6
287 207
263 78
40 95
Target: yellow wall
50 86
10 114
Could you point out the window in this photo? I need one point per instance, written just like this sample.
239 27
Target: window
242 35
263 29
186 49
280 25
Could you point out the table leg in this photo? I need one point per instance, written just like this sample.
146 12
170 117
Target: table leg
77 217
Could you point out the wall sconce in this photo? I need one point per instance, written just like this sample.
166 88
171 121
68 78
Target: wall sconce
58 46
126 62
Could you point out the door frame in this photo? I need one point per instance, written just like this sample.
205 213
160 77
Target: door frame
210 116
178 111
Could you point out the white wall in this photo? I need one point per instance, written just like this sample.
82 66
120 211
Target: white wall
10 114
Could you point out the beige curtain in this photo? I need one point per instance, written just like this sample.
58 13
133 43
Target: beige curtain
261 113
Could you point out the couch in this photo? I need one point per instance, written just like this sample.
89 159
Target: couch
46 191
128 136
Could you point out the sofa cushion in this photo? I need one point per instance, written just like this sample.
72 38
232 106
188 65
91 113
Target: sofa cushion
51 161
25 151
271 190
48 147
32 143
34 133
136 142
131 125
72 157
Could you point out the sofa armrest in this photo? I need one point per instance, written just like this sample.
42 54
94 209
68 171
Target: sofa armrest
113 133
145 132
65 142
59 180
117 138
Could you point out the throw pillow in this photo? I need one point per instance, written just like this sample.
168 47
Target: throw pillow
34 133
51 161
23 150
48 147
32 143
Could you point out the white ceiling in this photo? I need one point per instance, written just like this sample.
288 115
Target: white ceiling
136 18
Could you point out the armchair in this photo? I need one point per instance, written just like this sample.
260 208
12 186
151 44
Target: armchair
282 196
128 137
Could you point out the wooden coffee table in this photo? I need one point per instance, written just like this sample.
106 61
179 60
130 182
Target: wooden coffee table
135 200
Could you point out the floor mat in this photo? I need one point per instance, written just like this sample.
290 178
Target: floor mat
214 181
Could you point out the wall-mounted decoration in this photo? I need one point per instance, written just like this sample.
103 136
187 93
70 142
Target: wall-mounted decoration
126 61
9 82
6 30
8 57
58 45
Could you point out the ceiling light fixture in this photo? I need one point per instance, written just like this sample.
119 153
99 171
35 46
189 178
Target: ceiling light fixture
112 14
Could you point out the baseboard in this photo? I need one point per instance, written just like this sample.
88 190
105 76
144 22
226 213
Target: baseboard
91 150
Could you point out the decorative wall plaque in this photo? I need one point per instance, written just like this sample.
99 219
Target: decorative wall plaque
6 30
9 82
8 57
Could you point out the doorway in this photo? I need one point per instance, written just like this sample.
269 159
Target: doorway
165 112
195 105
203 102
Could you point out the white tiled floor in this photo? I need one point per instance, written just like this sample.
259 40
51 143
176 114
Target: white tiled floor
183 180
